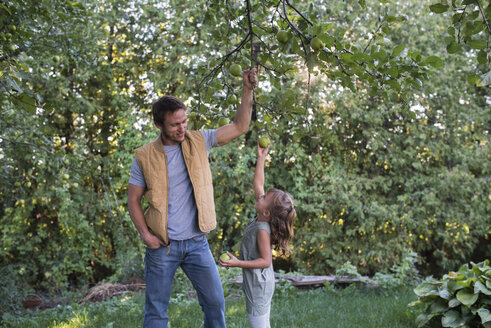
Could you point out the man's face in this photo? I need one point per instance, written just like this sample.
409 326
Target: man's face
174 127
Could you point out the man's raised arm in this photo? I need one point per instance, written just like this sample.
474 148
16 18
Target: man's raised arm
240 125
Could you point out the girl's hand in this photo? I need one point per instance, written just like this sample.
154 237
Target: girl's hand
262 152
233 262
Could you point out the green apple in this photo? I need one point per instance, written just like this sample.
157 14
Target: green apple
224 257
232 99
283 36
56 59
236 70
316 43
264 142
223 121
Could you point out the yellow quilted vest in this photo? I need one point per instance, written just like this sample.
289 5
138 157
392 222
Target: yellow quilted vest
153 163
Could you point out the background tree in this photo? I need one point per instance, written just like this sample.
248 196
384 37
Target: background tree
376 130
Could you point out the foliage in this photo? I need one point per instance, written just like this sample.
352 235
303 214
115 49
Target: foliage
348 270
461 298
12 290
469 31
403 275
60 122
283 286
372 179
377 135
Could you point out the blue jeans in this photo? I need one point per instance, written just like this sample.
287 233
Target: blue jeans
195 259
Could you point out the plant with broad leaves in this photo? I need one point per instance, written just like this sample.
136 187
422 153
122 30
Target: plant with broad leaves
459 299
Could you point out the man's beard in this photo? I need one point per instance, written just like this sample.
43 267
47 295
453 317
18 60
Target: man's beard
167 136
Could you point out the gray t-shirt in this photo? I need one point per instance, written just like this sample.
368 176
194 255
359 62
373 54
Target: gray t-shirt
182 220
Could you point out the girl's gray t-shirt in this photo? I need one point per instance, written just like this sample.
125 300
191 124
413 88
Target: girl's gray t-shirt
258 284
182 222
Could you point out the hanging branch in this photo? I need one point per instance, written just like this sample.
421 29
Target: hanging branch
254 52
483 16
302 36
34 146
255 48
373 37
460 22
217 68
298 12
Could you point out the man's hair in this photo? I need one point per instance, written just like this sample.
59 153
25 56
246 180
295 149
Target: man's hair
166 104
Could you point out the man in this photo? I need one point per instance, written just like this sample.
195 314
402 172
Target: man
173 174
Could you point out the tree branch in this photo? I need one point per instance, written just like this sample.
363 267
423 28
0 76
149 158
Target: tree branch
215 70
299 13
302 36
483 16
29 144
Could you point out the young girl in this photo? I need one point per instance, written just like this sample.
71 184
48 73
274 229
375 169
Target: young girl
273 226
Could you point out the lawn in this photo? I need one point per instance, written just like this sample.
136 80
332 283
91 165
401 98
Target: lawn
350 307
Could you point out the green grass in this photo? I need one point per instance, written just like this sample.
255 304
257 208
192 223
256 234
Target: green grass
349 308
290 308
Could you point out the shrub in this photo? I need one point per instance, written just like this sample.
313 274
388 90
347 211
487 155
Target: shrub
459 299
401 275
12 290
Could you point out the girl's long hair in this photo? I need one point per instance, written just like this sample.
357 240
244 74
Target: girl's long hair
281 219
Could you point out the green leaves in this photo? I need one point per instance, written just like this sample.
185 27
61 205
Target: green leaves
477 44
468 19
485 315
398 50
469 305
438 8
486 78
479 287
426 289
452 319
434 61
474 79
363 129
453 47
467 297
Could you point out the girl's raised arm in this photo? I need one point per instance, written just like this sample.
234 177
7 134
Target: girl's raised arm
259 173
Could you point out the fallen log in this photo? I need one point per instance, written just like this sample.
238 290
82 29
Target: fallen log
317 281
